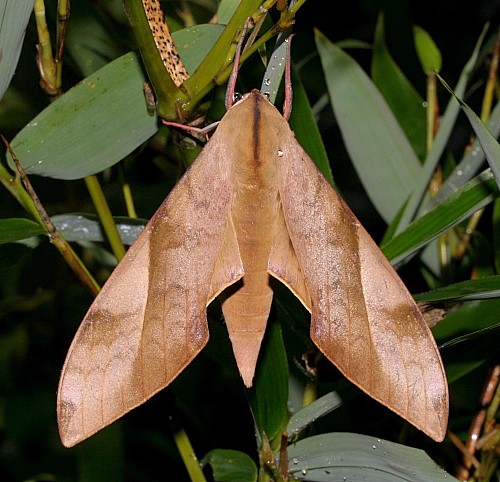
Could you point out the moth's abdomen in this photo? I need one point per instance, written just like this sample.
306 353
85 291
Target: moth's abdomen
254 213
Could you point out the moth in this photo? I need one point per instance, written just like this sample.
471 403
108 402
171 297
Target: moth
253 206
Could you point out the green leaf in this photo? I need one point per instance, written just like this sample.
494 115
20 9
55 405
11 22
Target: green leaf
496 234
14 15
306 130
269 396
455 371
489 342
86 227
307 415
16 229
473 196
226 10
337 457
194 43
384 159
91 127
231 466
404 101
446 125
467 318
490 146
477 289
427 51
275 67
470 164
89 42
469 336
202 79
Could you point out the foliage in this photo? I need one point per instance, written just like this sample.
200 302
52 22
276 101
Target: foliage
384 154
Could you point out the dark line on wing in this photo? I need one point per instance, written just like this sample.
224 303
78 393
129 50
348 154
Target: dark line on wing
256 128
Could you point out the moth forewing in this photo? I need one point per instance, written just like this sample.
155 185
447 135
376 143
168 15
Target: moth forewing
363 318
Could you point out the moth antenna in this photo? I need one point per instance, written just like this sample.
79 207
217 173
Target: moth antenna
236 64
287 105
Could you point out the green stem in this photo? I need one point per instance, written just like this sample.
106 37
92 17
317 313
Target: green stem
74 262
28 198
286 21
294 9
489 91
168 94
224 74
494 404
13 184
46 63
310 394
127 194
63 12
105 216
188 456
431 109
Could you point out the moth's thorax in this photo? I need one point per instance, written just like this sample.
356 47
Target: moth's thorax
256 129
254 126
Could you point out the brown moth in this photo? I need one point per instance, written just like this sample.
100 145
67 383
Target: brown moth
253 205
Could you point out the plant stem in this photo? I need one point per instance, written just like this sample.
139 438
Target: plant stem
45 60
63 12
33 205
188 456
105 216
13 184
286 21
127 194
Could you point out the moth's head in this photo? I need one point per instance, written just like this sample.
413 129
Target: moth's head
239 98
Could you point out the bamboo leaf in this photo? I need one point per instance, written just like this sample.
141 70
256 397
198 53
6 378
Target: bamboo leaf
194 43
427 51
489 144
307 415
86 227
404 101
16 229
441 140
473 196
476 289
306 130
374 140
337 457
470 164
89 43
231 465
14 15
91 127
269 395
